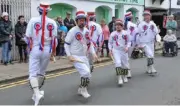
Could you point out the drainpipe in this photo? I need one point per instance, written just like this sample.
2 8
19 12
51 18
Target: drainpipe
144 4
169 7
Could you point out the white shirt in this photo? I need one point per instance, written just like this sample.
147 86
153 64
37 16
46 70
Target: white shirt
33 25
76 42
147 32
119 40
96 35
132 30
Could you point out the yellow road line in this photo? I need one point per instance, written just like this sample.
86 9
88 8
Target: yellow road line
27 80
10 85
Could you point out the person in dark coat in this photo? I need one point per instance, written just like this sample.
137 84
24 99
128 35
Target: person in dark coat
68 22
112 25
6 37
20 29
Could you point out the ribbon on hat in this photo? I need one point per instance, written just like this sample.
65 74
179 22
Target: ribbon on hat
43 29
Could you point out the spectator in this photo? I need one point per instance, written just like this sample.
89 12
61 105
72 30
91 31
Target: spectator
106 34
68 22
62 30
171 24
1 53
5 37
169 41
20 29
137 21
59 22
112 25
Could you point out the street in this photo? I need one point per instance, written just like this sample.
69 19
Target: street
163 89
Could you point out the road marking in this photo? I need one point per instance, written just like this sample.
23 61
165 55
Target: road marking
49 76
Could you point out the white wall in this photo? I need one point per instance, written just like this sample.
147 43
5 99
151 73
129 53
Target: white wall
174 4
164 5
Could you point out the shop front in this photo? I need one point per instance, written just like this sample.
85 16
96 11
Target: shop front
121 7
104 9
60 9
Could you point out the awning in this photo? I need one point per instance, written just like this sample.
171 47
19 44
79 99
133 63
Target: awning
161 1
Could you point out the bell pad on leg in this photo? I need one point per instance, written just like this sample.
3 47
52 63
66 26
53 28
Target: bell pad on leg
41 80
150 61
121 71
124 72
84 82
118 70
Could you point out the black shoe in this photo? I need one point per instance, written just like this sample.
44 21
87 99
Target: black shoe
11 63
92 68
5 63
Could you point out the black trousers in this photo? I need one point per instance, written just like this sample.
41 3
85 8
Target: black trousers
170 45
22 50
106 46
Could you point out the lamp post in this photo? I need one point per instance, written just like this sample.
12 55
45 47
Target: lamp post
169 7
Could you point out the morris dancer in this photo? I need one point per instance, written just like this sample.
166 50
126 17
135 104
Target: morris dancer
118 45
96 36
77 46
131 28
41 34
147 34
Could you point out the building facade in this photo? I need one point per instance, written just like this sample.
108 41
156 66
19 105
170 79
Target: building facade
104 9
161 8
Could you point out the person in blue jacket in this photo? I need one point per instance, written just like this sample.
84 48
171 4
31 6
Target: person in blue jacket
62 31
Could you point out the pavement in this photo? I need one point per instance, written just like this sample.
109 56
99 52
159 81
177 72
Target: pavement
142 89
20 71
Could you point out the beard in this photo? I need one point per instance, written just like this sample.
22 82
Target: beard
118 30
81 26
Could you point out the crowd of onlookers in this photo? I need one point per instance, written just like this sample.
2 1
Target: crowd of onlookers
64 25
